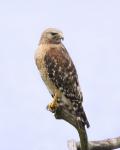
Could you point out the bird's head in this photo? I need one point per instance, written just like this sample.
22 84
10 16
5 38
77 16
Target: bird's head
51 36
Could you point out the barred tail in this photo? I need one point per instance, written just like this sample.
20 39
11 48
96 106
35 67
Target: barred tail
81 113
86 122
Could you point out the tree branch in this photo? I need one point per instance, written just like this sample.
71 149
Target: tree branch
63 112
107 144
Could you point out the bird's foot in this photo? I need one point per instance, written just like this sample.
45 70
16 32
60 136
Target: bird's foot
52 106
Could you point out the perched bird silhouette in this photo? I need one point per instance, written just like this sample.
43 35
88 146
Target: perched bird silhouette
59 74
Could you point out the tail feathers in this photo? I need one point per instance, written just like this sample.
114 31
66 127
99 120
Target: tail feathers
83 117
85 120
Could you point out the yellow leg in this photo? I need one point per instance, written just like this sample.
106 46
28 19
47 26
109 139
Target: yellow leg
54 104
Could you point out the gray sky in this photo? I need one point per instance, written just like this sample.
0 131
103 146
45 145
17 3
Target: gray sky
92 37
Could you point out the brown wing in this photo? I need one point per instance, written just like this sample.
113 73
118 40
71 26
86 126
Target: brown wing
62 72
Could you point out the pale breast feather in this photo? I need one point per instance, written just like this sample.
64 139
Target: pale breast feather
62 73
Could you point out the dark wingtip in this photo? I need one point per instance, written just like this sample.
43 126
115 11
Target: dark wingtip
87 124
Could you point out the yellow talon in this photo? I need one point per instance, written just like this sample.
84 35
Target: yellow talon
52 106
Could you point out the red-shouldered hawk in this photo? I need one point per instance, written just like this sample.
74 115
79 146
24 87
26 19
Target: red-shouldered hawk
58 72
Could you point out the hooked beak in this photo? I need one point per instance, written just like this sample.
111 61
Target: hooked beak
61 36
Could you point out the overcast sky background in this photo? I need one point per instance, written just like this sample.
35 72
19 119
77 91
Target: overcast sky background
92 37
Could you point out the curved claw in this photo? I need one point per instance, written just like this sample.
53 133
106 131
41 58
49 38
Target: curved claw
52 107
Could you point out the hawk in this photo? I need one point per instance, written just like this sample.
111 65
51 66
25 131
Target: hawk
58 73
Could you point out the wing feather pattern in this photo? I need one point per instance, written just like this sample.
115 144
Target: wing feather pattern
62 72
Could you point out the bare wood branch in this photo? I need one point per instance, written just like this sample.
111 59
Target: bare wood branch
72 145
107 144
63 112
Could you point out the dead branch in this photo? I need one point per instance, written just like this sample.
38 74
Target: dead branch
62 112
107 144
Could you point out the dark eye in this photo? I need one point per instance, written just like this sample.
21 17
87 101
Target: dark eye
53 33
